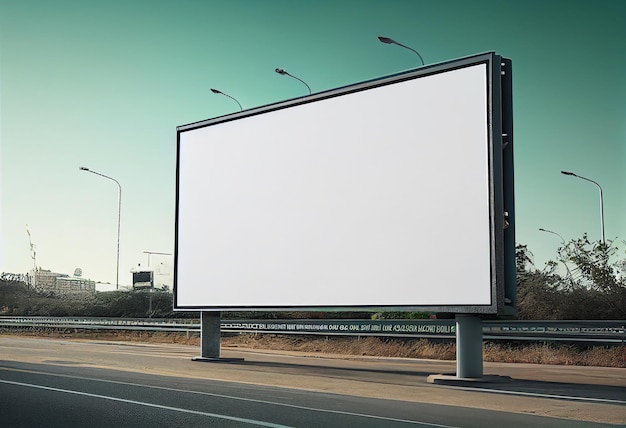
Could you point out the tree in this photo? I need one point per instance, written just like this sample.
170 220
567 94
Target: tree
594 287
537 291
598 271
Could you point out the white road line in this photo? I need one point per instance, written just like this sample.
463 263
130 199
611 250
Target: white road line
538 395
141 403
211 394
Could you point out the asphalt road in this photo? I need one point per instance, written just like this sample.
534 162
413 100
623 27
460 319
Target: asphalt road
68 383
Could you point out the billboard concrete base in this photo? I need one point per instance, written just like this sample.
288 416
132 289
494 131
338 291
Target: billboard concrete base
217 359
453 380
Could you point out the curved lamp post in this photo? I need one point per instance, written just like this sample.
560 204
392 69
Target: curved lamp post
389 41
216 91
554 233
601 199
285 73
569 273
119 216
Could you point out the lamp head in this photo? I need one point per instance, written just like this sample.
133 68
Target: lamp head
567 173
386 40
82 168
280 71
215 91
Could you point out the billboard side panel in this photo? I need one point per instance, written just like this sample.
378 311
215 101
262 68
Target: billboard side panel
508 183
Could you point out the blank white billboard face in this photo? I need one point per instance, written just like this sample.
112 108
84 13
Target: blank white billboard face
374 198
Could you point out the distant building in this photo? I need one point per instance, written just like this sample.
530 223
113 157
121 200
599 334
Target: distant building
43 279
60 283
70 285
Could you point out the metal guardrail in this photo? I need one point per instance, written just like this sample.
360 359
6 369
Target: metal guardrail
600 332
137 324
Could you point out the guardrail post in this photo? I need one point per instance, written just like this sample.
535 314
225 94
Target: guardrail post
469 346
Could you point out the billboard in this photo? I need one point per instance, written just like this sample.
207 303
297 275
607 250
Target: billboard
382 194
143 279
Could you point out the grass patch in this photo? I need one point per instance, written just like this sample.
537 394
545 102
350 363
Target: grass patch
532 353
558 354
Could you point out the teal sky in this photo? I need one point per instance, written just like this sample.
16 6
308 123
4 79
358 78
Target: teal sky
104 85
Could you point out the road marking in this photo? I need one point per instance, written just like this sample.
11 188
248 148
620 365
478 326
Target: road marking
537 394
211 394
141 403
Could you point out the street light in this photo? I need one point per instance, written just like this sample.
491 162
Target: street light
389 41
554 233
215 91
119 216
569 273
284 73
601 199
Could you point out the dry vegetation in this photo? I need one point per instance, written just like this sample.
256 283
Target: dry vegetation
533 353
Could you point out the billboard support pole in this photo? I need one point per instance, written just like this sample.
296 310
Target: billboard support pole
469 346
210 338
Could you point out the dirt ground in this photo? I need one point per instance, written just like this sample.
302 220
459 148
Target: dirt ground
506 352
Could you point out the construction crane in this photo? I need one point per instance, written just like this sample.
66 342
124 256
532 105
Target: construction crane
33 255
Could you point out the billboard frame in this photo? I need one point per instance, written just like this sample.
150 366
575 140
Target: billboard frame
500 174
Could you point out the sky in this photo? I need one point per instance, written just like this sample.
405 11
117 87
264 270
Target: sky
103 85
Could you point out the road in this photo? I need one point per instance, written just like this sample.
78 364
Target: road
77 383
